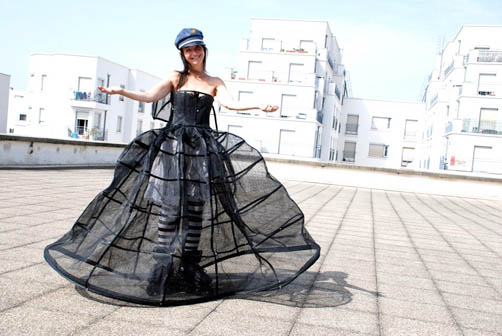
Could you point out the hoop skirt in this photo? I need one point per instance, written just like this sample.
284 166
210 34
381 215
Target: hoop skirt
252 236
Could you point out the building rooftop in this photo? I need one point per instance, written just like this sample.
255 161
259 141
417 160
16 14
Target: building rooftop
393 261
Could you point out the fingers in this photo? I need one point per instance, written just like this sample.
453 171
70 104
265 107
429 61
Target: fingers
106 90
270 108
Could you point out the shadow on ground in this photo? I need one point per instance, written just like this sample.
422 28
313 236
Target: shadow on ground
310 290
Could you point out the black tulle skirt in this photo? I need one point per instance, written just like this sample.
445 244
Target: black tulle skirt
253 236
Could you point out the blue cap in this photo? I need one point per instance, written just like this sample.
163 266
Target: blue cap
189 37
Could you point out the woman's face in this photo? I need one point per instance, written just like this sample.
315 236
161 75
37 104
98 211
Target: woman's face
194 54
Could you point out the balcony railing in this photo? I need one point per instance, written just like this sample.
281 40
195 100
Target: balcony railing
96 96
482 126
449 69
280 77
94 133
490 56
434 100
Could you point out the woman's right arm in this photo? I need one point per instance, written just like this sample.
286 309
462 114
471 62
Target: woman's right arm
158 92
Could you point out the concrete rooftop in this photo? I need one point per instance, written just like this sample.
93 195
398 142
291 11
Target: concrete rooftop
394 262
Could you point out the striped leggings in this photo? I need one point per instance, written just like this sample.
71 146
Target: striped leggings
167 226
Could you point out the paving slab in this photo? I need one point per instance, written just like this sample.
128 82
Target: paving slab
393 262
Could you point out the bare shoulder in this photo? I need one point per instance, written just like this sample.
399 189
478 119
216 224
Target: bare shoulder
174 78
215 81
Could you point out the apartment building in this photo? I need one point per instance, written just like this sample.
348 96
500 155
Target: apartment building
296 64
62 100
4 101
379 133
462 125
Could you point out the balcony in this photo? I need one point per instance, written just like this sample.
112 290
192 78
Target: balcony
448 69
490 56
434 100
486 93
97 96
308 79
94 133
482 126
277 46
484 56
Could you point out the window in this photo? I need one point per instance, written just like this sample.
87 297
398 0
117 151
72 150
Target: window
85 84
22 117
119 124
349 151
407 156
307 45
97 120
139 127
81 122
141 105
41 115
43 82
488 123
318 142
410 129
267 44
380 123
378 150
235 129
288 105
352 124
335 122
287 142
254 70
296 74
486 85
247 98
332 150
121 98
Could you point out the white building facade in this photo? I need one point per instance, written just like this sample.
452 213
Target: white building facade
377 133
62 100
295 64
4 101
462 128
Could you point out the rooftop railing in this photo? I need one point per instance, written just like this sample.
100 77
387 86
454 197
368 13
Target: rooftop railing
276 77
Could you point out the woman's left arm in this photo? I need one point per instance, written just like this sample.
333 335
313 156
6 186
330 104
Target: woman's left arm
225 99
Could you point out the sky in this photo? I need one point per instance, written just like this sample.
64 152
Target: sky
389 47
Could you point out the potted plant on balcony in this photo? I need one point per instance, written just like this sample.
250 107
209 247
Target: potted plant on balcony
93 133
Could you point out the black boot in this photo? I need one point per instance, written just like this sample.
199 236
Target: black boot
193 275
162 272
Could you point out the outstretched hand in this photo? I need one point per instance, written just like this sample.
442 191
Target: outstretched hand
112 90
269 108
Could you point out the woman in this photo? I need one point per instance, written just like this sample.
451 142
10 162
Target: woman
192 213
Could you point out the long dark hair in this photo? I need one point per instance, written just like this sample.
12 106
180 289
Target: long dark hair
186 68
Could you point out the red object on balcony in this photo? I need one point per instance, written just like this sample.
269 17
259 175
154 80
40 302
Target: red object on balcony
452 160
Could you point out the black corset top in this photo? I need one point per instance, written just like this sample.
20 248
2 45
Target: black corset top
191 108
